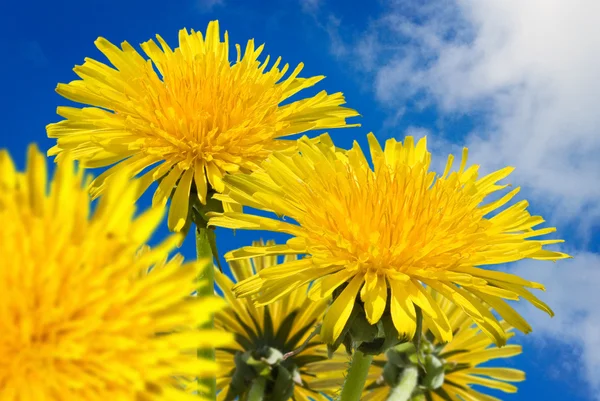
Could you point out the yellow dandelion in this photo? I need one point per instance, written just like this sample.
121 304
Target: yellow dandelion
264 337
452 368
376 238
80 317
196 119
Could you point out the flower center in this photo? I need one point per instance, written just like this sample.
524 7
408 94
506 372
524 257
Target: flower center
396 219
204 108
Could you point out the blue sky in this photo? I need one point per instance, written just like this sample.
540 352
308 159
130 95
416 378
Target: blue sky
517 83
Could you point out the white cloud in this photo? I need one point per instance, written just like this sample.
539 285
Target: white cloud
529 69
572 292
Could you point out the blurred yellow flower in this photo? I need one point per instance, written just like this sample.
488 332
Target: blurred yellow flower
383 234
188 113
267 334
80 317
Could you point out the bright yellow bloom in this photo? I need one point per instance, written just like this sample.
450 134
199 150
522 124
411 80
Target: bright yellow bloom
80 317
388 232
461 357
276 329
198 117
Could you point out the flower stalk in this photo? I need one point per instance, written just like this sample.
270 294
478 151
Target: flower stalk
405 387
356 377
207 386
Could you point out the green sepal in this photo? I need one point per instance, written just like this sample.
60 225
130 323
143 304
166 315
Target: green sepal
389 337
446 355
283 388
391 373
361 331
440 392
400 359
302 360
197 214
243 374
434 373
407 348
275 356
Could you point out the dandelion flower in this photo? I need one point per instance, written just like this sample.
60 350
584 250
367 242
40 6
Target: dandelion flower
185 117
81 319
264 335
452 368
377 237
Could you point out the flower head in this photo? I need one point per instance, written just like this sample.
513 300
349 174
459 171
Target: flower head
377 237
449 370
186 112
276 342
80 316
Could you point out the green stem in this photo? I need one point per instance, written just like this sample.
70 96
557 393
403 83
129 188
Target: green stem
257 391
405 387
207 278
356 377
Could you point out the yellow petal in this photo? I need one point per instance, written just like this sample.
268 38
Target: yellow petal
336 317
165 187
8 176
200 180
37 179
375 297
507 374
178 212
403 310
215 177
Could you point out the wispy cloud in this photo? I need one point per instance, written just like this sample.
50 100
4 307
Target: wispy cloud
310 6
208 5
337 45
530 69
572 292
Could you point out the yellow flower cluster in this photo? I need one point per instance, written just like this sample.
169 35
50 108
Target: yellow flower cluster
385 256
